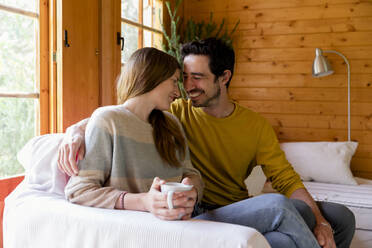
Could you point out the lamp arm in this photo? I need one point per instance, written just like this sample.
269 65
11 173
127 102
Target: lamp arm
348 89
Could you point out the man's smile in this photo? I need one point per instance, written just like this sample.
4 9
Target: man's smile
195 93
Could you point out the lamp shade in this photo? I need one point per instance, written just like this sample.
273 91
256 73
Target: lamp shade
321 66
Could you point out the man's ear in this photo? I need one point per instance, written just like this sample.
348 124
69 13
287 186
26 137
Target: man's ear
225 77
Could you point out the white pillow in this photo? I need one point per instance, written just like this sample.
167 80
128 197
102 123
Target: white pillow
39 158
326 162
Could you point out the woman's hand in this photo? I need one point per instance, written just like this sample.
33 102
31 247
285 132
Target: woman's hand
187 199
155 202
70 151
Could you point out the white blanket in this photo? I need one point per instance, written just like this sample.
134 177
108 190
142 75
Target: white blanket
349 195
34 218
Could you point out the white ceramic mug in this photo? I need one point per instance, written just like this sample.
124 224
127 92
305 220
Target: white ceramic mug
170 188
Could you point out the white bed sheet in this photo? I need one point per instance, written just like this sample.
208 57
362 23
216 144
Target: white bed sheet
40 219
358 198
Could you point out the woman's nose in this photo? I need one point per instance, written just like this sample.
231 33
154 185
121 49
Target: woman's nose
177 90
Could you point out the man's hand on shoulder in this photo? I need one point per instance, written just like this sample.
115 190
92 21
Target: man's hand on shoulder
72 149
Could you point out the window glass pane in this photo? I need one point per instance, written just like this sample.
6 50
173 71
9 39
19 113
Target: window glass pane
158 14
147 13
129 9
30 5
18 48
152 39
157 40
17 126
147 38
130 34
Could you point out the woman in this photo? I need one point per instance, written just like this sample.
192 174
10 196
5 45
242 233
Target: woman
130 145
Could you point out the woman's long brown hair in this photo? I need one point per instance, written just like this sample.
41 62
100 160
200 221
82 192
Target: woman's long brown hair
146 69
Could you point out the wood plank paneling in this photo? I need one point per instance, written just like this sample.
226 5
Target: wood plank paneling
296 67
306 40
336 25
326 11
364 151
301 94
299 80
361 164
319 121
275 46
316 134
296 54
320 108
221 5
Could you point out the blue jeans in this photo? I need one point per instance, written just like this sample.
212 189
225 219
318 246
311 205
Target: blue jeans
273 215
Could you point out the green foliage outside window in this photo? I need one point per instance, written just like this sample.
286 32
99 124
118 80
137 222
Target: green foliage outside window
17 74
17 126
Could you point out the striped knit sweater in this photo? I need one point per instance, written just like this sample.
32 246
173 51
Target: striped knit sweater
121 156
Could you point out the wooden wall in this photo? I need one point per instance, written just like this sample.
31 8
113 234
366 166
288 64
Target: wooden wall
275 46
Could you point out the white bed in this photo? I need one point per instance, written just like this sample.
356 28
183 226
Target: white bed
358 198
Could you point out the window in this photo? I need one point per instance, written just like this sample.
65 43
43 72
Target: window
140 25
19 79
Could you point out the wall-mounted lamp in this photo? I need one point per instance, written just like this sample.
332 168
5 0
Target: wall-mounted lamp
322 68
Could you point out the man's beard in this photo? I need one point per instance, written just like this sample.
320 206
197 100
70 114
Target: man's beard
208 101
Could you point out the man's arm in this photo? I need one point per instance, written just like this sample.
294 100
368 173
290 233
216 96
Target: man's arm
72 148
285 180
323 230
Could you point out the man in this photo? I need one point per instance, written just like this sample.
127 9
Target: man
227 141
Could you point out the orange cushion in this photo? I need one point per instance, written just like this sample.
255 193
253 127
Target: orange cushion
6 187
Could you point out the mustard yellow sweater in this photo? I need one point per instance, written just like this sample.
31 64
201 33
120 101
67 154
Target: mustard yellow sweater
225 151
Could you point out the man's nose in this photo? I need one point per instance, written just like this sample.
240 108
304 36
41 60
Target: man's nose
187 84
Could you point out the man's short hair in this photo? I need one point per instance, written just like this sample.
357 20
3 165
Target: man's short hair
221 56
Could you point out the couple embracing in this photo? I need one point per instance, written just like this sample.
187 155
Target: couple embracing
208 141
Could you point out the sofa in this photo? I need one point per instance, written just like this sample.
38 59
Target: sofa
37 214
